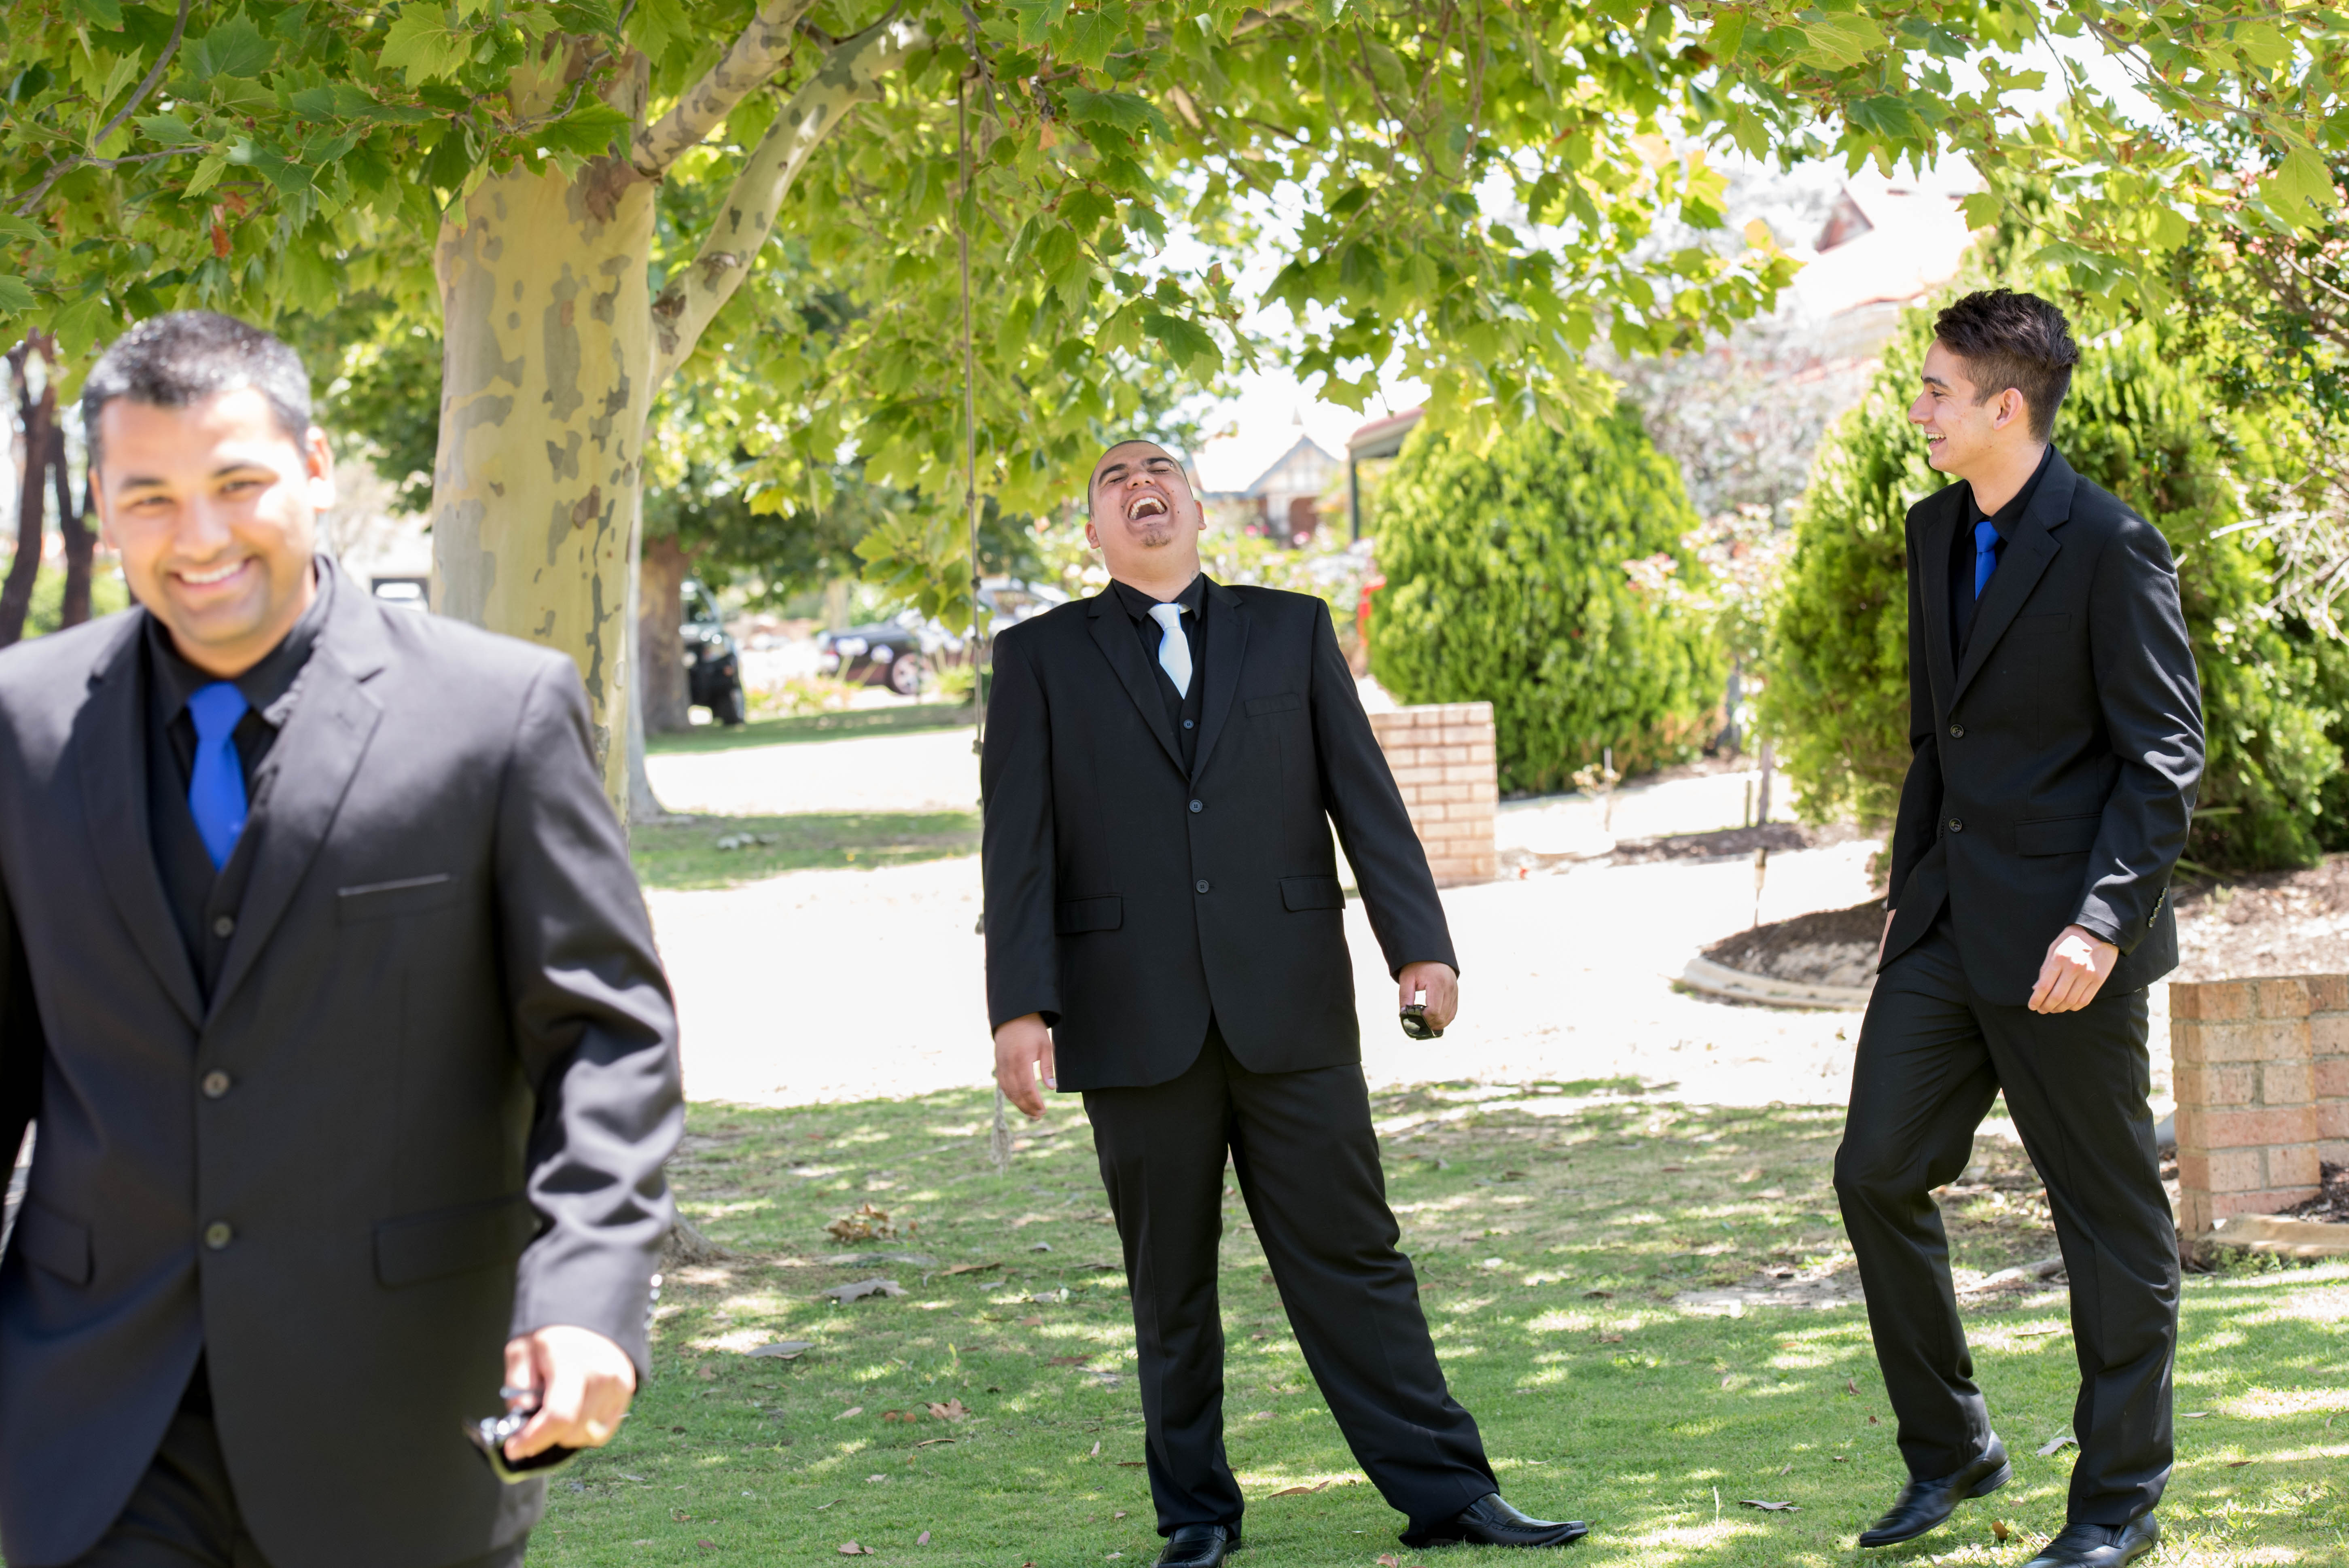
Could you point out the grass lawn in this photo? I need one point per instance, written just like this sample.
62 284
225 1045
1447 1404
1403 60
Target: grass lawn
814 727
720 851
1552 1227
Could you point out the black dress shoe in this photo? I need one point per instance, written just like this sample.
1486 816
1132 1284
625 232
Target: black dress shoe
1491 1521
1199 1546
1923 1504
2100 1545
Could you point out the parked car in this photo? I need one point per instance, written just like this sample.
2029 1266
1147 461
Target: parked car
901 652
713 664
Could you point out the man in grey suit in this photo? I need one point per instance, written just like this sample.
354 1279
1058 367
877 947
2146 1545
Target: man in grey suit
325 978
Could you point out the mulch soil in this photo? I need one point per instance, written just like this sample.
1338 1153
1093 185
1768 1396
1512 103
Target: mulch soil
2331 1203
1774 836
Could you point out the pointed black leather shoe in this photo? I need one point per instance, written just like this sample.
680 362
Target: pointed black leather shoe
2100 1545
1923 1504
1491 1521
1199 1546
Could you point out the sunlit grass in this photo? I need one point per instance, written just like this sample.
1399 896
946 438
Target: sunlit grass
1600 1393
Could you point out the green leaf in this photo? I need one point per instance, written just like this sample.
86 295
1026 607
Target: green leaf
1037 20
1125 111
1722 39
15 227
422 46
655 25
234 49
82 323
2300 189
1843 41
587 130
106 14
169 130
1982 209
208 171
16 294
1189 344
1095 34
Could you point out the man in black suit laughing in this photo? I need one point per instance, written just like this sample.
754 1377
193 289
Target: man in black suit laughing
1165 933
2057 727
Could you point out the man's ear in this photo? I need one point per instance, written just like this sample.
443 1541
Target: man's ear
319 462
2010 407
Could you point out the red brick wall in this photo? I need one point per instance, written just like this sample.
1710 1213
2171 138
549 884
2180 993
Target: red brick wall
1445 764
2262 1069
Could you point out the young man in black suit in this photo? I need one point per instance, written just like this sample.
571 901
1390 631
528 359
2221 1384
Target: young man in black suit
2056 725
1165 933
324 976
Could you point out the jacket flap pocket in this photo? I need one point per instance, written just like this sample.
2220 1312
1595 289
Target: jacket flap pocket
59 1244
1312 892
383 901
1279 702
2057 836
1082 915
445 1242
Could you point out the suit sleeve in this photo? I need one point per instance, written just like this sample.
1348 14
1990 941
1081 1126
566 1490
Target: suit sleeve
2151 700
1358 790
1016 849
594 1028
1918 824
23 1046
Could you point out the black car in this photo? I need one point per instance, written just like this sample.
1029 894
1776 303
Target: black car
899 653
713 663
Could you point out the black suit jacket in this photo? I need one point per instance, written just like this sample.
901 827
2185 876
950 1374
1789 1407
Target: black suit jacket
448 1083
1128 901
2055 767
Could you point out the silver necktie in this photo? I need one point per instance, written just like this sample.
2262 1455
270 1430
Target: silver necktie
1173 648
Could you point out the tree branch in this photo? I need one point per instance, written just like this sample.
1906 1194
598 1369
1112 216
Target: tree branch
155 74
850 76
747 64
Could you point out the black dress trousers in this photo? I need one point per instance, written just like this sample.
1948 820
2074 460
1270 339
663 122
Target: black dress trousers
1932 1059
1307 1164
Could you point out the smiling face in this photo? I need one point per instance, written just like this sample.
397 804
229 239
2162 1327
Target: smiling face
1142 517
213 507
1962 427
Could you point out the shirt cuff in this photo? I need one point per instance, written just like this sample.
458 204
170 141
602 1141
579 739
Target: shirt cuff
2098 927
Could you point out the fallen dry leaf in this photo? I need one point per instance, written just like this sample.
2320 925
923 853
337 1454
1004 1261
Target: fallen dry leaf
845 1293
1389 1560
1068 1360
850 1549
1132 1464
707 1545
1119 1514
1851 1388
851 1410
1771 1192
1599 1296
871 1479
707 1374
934 1442
952 1410
1753 1175
1096 1453
1998 1531
785 1349
1770 1507
2056 1443
972 1268
1031 1322
1874 1422
923 1538
2238 1464
1610 1339
1301 1491
866 1223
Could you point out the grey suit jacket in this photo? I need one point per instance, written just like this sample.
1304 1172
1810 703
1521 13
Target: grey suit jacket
426 1108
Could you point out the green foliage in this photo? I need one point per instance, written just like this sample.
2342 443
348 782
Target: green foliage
1528 577
2141 421
45 614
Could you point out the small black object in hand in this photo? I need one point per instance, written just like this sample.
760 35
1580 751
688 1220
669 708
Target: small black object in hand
490 1434
1414 1022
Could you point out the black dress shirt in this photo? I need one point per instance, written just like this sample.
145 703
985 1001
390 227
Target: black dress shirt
1183 708
204 902
1962 553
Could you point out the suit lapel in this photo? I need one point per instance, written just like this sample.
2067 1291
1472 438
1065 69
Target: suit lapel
1228 634
312 766
109 750
1112 631
1935 541
2027 556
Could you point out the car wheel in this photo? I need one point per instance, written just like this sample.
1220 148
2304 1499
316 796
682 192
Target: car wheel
906 675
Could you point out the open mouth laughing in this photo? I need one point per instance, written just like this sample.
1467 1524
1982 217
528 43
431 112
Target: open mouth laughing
1145 505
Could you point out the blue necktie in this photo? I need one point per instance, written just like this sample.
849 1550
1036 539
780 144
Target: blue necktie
217 784
1985 555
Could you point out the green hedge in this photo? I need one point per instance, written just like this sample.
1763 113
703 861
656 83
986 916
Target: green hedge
2140 421
1506 582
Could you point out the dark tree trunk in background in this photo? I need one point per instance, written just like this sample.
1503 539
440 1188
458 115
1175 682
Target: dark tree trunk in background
660 583
38 414
73 526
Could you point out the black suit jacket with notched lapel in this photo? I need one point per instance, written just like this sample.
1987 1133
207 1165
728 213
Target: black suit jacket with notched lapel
2055 767
452 1083
1128 902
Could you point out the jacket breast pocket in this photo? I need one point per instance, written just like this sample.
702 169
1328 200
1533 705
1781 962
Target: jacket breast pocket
1312 892
59 1244
449 1242
2057 836
1079 915
1279 702
389 900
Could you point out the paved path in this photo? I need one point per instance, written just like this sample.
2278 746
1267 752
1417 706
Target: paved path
930 770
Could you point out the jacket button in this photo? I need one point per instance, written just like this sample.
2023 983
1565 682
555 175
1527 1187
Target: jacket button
1956 826
1201 884
1196 806
217 1235
215 1084
224 927
1957 732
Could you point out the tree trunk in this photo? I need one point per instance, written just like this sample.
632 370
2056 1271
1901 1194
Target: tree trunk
73 525
39 416
659 587
546 378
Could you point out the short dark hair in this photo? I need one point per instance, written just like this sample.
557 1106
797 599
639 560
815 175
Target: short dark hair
170 361
2009 339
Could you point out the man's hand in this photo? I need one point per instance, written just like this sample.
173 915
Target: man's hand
2074 971
1023 1049
583 1383
1442 985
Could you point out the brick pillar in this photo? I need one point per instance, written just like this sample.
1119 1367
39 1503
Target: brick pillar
2247 1109
1446 764
2328 1042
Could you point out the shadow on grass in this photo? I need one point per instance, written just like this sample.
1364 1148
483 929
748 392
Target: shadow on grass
723 852
1557 1236
906 719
